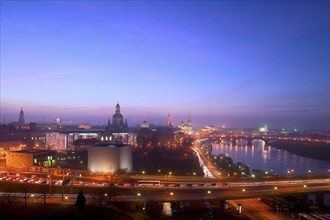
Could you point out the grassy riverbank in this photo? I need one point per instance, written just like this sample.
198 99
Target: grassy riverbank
319 151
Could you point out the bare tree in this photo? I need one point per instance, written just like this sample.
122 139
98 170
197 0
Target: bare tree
100 196
154 209
25 189
111 186
43 190
9 196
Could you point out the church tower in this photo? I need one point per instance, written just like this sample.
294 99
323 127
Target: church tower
169 120
21 118
189 121
117 119
189 126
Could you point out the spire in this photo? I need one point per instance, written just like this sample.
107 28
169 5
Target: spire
169 120
117 108
21 119
189 119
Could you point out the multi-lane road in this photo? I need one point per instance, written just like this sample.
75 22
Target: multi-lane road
218 191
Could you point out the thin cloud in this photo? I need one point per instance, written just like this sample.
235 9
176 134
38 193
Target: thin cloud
37 76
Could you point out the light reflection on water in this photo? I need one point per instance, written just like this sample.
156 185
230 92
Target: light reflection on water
167 210
259 156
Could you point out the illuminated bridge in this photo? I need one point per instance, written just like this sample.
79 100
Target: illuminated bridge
185 190
266 138
235 190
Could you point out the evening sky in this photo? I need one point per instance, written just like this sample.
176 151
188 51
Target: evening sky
227 63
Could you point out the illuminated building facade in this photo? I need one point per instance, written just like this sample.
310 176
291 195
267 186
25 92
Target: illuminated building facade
110 158
186 128
28 158
84 144
56 141
85 126
208 129
264 129
145 125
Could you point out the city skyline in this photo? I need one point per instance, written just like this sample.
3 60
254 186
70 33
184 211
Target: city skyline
223 63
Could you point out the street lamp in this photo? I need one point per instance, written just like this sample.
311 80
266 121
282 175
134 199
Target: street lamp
171 193
290 172
208 192
138 194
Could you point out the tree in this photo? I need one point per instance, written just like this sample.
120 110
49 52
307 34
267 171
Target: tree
81 201
8 196
111 189
154 209
25 189
43 190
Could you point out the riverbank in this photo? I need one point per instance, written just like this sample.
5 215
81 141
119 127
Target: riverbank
319 151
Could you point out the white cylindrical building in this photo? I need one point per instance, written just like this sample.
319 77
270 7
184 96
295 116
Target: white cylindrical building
125 161
109 158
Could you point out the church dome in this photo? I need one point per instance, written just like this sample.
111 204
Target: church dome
144 124
117 118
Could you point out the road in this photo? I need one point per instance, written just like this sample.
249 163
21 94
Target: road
255 209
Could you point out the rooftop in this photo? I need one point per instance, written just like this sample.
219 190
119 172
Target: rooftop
33 151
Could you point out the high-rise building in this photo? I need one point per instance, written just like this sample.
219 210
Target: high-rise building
21 119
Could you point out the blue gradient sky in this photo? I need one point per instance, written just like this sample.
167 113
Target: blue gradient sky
233 63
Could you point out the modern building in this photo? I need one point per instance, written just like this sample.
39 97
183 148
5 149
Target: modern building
56 141
29 158
110 158
84 144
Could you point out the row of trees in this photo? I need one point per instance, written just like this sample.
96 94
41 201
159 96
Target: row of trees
31 192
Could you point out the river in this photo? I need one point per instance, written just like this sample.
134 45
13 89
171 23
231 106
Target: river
259 156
